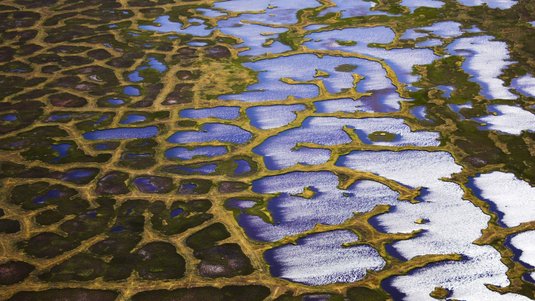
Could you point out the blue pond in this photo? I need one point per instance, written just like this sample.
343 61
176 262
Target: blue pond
80 175
9 117
152 64
62 151
115 101
213 132
243 167
176 212
183 153
131 91
226 113
122 133
133 118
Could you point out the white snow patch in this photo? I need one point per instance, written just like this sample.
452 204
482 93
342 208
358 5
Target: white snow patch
525 242
270 117
355 8
525 85
400 60
501 4
280 151
414 4
303 68
453 225
293 214
514 198
508 119
320 259
485 60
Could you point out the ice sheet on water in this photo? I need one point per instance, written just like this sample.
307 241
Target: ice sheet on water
254 36
453 224
302 68
525 85
279 151
485 58
225 113
211 132
445 29
524 243
414 4
294 214
163 24
183 153
401 60
508 119
321 259
501 4
513 198
268 11
269 117
355 8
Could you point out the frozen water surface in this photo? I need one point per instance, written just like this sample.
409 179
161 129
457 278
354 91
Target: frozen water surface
294 214
525 85
183 153
419 112
122 133
524 243
347 105
212 13
514 199
152 63
131 91
453 225
225 113
203 170
429 43
446 29
254 36
268 11
349 9
303 68
508 119
211 132
239 204
485 59
133 118
280 151
242 167
291 198
414 4
386 100
457 108
413 34
400 60
164 25
269 117
501 4
320 259
314 26
446 90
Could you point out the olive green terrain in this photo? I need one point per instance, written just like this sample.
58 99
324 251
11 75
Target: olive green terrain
102 237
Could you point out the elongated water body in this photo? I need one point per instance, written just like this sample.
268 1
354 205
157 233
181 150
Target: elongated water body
122 133
267 150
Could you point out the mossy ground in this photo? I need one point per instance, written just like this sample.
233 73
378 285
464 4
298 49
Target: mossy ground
104 235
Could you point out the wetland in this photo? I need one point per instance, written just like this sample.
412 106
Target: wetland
267 150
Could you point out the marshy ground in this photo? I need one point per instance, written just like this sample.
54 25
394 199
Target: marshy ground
267 150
